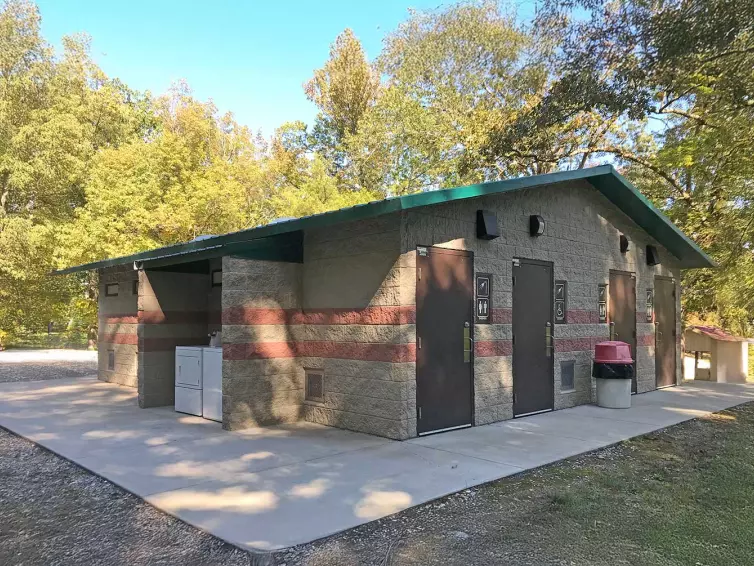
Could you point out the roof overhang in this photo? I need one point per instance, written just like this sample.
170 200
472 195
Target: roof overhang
283 241
718 334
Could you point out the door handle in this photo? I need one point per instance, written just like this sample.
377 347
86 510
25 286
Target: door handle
613 333
658 334
468 343
548 339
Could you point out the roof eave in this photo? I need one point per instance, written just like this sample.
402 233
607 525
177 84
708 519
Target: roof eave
604 178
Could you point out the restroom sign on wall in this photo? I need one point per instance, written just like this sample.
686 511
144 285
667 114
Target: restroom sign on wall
561 298
483 300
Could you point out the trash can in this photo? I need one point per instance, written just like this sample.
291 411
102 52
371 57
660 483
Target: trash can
614 370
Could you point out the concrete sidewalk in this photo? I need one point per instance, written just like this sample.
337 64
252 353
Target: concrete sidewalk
274 487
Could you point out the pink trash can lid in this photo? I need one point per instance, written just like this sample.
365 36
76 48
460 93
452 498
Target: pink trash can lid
612 352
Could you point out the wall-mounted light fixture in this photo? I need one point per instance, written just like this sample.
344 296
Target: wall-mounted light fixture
536 225
486 225
653 258
623 243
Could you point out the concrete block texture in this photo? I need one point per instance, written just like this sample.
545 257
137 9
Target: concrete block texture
118 326
343 279
581 240
389 428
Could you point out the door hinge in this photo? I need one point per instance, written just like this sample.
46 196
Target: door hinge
419 412
514 280
419 342
419 273
513 339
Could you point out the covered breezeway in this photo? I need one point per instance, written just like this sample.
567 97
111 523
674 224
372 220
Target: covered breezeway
274 487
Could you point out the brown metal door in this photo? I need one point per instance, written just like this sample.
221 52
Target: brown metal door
444 327
665 333
532 337
622 312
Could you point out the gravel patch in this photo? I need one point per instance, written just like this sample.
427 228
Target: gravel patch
38 365
54 513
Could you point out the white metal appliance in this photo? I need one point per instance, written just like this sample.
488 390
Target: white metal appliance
188 379
199 381
212 378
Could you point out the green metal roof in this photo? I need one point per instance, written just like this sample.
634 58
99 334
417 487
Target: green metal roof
283 240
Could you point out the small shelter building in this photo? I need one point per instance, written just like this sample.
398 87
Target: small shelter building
712 354
411 315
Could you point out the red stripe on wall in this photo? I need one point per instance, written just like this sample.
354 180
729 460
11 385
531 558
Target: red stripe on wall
343 350
588 343
173 317
502 316
150 344
162 317
119 338
367 315
490 348
505 316
576 344
168 344
583 317
119 318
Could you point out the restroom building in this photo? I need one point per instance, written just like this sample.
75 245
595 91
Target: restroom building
410 315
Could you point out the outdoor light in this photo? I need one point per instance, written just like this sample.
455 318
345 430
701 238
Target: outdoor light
623 244
486 225
653 258
536 225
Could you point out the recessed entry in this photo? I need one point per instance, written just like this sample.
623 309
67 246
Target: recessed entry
315 385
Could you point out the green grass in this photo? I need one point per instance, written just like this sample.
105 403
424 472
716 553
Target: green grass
681 496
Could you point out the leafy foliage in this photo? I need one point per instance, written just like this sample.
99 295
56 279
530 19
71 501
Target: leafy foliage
91 169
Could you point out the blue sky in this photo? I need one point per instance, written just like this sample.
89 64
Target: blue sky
249 56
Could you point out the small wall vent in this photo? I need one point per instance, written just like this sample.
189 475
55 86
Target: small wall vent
567 377
315 386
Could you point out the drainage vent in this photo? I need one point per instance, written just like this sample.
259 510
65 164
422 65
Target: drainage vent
315 386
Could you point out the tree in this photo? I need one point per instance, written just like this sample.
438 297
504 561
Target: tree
55 114
679 75
343 89
199 173
458 106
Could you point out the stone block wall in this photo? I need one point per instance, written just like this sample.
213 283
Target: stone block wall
117 327
340 314
581 240
262 378
352 281
173 311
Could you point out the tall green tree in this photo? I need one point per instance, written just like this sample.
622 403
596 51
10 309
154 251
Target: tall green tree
55 114
343 90
679 74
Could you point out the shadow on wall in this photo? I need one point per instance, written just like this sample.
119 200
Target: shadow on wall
326 321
